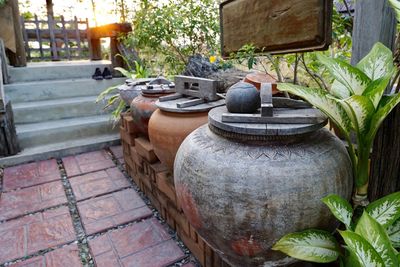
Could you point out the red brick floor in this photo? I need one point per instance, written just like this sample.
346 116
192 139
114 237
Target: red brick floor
98 183
143 244
62 257
87 162
106 202
31 199
111 210
30 174
117 151
30 234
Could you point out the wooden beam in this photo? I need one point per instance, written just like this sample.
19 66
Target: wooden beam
19 60
375 22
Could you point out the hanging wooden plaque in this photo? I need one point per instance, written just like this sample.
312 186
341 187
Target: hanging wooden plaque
276 26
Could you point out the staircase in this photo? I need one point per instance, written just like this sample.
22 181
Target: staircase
55 111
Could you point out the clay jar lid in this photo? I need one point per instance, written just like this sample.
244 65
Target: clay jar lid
256 78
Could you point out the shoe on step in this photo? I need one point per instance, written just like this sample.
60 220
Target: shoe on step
97 75
107 74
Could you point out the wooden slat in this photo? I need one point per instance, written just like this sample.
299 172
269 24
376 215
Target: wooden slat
110 30
66 41
52 38
38 35
77 35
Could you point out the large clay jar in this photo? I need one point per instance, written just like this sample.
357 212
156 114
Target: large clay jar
168 127
244 186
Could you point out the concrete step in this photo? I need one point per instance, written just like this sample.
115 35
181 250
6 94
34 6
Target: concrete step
36 134
64 108
39 71
61 149
48 90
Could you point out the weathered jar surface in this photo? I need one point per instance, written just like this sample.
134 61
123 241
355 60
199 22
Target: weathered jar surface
142 107
167 130
243 192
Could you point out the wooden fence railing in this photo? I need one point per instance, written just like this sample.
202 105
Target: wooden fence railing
55 39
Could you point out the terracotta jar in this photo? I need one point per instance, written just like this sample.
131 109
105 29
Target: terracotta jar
143 106
256 78
169 126
244 186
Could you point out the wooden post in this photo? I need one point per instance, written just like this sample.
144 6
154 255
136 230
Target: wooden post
19 59
26 40
375 21
3 65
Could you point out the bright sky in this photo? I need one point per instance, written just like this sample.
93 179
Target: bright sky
105 9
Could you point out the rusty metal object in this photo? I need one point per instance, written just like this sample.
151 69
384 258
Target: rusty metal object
276 26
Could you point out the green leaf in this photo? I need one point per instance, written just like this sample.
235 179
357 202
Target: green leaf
396 6
350 77
310 245
323 101
390 102
394 233
125 72
362 250
378 63
376 235
339 90
376 89
339 207
360 110
385 210
106 92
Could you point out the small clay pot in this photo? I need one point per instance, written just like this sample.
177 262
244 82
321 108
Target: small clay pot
257 78
243 97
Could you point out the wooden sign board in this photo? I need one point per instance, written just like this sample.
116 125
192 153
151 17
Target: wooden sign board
276 26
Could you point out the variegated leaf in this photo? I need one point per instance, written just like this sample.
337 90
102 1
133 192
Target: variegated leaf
322 100
376 235
376 89
124 72
310 245
360 110
385 107
339 90
339 207
366 255
352 78
396 6
385 210
394 233
378 63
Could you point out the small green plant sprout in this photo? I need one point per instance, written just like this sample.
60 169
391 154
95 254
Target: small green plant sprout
355 103
370 241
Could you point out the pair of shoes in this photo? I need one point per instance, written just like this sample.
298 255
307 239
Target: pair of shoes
100 76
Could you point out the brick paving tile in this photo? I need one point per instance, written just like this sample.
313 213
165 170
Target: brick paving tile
117 151
87 162
30 174
98 183
143 244
189 264
62 257
30 234
31 199
111 210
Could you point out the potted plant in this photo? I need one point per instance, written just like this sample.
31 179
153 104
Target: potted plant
356 104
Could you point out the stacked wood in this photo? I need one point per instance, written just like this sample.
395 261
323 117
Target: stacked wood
153 178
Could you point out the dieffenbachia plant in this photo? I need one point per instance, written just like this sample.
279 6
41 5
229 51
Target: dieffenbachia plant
371 241
355 104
